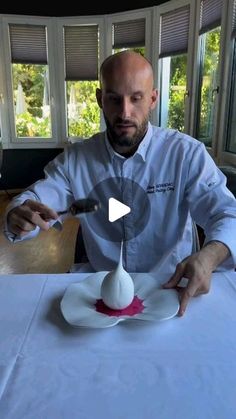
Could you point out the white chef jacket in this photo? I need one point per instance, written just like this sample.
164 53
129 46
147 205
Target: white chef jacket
185 184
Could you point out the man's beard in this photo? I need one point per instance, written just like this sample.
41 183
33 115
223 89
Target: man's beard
126 140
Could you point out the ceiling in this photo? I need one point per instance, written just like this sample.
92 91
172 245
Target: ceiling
75 8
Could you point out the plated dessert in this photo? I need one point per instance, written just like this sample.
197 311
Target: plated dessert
104 299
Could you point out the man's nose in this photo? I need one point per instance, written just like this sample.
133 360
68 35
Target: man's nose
125 108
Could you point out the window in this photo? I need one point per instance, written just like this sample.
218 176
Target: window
81 75
231 128
2 97
129 31
231 134
28 44
174 25
129 34
208 87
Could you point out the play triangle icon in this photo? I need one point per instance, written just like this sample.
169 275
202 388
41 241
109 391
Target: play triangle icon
116 209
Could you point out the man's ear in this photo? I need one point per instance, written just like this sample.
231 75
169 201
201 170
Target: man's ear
99 97
154 98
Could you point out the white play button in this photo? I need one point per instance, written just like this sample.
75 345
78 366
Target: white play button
116 209
124 210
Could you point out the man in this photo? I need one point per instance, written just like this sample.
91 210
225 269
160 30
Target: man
179 179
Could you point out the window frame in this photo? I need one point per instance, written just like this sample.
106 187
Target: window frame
3 95
126 16
29 142
158 11
216 137
73 21
225 157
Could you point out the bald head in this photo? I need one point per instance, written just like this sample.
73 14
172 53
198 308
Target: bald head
126 96
126 63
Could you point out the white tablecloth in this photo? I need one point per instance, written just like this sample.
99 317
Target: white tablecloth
183 368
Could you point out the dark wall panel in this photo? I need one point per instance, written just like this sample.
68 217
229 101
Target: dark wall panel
20 168
75 8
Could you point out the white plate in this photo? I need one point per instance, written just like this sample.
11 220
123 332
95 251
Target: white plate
78 302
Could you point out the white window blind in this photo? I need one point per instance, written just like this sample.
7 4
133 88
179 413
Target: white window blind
28 44
174 31
81 52
210 15
129 34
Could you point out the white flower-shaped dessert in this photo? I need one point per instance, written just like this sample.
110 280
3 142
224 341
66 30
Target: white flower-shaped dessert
82 305
117 290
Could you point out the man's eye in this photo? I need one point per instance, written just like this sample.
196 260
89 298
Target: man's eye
114 99
137 98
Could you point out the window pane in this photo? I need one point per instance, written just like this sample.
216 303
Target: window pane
131 40
81 49
210 48
83 115
139 50
231 134
31 100
172 93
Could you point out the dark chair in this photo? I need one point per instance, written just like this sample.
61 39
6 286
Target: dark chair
230 173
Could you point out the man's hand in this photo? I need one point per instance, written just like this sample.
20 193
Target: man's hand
25 218
198 269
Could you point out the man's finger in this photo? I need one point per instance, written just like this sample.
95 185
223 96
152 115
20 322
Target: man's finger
15 229
45 212
176 278
185 296
39 221
23 219
24 225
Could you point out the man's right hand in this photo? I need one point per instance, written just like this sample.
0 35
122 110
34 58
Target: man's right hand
25 218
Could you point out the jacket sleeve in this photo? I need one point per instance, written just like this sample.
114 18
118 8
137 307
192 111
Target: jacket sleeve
54 191
211 204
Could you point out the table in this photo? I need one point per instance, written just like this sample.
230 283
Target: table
183 368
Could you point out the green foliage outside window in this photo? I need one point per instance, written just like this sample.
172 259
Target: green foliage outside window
31 122
31 78
28 125
84 121
178 70
208 82
177 87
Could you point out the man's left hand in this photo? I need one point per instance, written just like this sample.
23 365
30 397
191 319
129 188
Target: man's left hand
197 268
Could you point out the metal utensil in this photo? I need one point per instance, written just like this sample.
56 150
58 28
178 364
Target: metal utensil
80 206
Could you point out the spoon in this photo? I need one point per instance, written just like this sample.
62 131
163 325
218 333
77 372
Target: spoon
81 206
78 207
